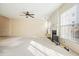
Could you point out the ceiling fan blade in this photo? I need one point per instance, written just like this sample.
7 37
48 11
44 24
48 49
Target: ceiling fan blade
31 16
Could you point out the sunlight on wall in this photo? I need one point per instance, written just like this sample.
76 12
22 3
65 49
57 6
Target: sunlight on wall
38 49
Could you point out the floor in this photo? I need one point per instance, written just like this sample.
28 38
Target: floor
18 46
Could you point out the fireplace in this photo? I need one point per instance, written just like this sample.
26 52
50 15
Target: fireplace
55 37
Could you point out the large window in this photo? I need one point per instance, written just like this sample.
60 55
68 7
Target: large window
70 24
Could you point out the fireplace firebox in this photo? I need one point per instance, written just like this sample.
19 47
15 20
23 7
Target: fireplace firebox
55 38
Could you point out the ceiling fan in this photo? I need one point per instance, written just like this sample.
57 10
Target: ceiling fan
28 14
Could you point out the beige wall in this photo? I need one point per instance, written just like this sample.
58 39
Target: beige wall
22 27
28 27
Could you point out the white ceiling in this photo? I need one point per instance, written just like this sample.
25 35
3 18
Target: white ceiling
14 10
